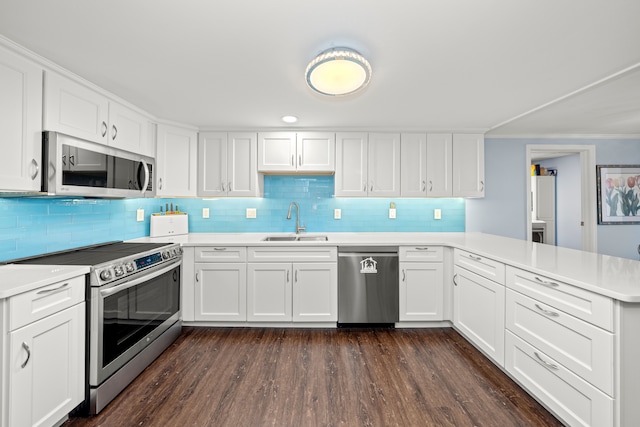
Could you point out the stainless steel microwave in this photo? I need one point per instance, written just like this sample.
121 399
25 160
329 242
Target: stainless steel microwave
76 167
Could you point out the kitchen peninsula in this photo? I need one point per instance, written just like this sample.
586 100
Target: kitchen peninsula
560 322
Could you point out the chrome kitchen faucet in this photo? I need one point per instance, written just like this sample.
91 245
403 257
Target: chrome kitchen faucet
298 228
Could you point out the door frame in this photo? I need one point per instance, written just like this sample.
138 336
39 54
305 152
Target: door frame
587 188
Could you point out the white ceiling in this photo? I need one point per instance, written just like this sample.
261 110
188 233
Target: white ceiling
438 65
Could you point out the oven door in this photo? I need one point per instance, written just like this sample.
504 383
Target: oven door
128 315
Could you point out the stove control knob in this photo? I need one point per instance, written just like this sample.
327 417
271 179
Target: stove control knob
165 255
119 270
130 267
105 274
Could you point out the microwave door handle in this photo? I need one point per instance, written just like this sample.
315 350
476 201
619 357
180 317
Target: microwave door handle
146 176
136 282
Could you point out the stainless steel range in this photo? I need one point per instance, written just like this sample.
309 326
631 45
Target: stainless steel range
133 310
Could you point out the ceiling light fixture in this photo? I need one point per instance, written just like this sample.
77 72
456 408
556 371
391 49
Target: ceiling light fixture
289 119
338 71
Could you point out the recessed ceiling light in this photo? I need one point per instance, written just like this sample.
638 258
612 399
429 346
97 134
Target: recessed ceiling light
338 71
289 119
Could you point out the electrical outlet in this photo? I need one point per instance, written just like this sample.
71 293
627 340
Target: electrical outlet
205 212
140 215
437 214
337 213
251 212
392 213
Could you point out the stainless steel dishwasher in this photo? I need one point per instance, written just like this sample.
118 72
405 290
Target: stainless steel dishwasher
368 285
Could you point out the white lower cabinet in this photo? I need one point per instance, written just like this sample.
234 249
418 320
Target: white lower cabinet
305 290
478 311
421 293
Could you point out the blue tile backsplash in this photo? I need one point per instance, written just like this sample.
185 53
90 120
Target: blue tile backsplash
31 226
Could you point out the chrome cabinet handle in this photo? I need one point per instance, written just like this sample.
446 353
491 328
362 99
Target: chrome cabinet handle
547 312
454 279
36 167
546 283
544 362
46 291
28 350
288 271
430 186
104 128
364 187
114 133
299 159
422 249
475 258
197 276
481 185
404 275
72 160
219 249
64 160
222 186
160 184
296 277
424 185
229 186
292 161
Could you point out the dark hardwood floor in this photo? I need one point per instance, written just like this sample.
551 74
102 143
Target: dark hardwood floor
321 377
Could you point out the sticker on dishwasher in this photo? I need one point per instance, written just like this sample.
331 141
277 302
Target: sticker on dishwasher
368 265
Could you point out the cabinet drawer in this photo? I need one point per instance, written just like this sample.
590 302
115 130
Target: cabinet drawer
571 398
221 254
581 347
585 305
38 303
292 254
421 253
485 267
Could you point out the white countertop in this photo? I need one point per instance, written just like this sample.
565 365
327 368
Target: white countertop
16 279
618 278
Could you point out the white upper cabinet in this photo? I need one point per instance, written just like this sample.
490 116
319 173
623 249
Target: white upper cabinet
367 165
20 122
291 152
176 161
413 165
227 165
77 110
468 165
439 165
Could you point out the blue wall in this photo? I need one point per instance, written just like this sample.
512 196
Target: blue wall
30 226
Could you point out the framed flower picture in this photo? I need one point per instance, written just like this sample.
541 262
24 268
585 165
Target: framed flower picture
618 194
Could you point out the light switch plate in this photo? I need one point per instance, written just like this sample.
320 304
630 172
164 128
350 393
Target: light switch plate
437 214
337 213
140 215
251 212
205 212
392 213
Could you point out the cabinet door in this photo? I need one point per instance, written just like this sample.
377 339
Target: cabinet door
351 165
46 375
221 291
212 164
421 291
176 161
276 151
384 165
413 165
316 151
439 164
468 165
74 109
479 307
128 130
242 169
315 292
544 197
20 122
269 292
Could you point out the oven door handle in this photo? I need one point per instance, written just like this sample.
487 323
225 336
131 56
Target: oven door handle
136 282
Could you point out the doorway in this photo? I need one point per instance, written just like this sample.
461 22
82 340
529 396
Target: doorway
587 154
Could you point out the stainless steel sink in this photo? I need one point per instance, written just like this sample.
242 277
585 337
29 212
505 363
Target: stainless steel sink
295 239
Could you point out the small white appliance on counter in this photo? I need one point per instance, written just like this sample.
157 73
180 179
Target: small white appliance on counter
169 225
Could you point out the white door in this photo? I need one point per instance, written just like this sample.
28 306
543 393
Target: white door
384 165
20 123
421 291
221 292
212 164
468 165
439 164
315 292
46 373
269 292
479 312
351 164
316 151
276 151
176 162
413 165
242 168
